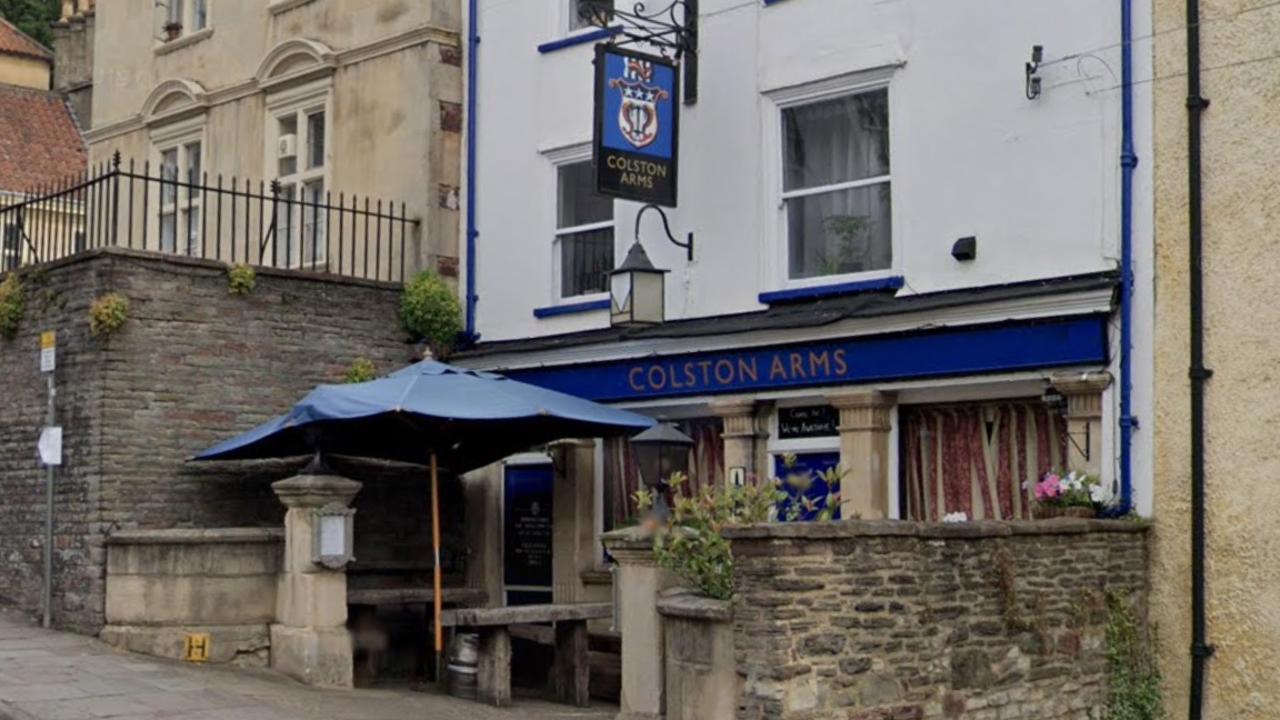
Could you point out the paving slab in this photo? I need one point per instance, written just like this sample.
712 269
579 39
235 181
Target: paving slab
50 675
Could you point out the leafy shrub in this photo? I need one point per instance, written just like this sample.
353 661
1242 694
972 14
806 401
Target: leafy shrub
13 302
107 314
430 311
692 544
241 279
362 370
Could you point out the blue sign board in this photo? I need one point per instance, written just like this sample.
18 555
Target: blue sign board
636 126
527 504
1006 347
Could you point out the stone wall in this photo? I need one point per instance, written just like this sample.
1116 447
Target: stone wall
873 620
192 365
164 584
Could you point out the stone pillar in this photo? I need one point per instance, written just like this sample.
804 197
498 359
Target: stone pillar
864 452
637 584
309 640
1083 392
742 433
573 519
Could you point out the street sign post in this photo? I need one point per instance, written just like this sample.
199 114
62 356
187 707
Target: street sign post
50 448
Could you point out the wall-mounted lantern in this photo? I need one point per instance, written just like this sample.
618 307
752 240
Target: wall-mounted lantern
333 528
637 291
661 451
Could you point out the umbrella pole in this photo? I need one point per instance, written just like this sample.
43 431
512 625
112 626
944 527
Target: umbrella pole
437 595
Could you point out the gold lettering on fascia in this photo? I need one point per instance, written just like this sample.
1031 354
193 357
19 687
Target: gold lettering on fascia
782 367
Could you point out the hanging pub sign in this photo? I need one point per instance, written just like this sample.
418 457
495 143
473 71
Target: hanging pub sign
636 126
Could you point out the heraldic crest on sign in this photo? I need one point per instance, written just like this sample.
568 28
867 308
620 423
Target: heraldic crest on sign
638 114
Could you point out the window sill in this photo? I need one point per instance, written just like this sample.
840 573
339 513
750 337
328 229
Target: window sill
284 6
185 41
581 38
571 308
776 297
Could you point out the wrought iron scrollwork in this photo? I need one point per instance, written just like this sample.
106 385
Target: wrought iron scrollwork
672 28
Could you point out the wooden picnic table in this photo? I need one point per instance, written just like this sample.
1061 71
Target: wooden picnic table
415 595
571 672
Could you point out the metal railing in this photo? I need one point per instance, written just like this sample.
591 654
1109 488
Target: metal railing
301 227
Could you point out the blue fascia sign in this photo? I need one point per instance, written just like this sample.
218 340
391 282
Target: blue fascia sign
969 350
637 115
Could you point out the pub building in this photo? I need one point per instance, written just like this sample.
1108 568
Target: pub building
879 253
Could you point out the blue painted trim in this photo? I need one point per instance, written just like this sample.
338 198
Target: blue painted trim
943 352
473 47
1128 163
771 2
894 282
583 39
571 308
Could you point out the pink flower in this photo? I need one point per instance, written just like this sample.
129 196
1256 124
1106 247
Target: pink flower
1049 488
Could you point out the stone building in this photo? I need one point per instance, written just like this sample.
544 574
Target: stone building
1237 71
329 97
73 57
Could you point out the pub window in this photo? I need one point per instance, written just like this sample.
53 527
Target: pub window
977 458
584 232
836 185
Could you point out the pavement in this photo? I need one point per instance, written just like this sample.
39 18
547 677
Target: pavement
50 675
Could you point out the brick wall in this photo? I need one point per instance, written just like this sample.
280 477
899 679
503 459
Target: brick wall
191 366
906 621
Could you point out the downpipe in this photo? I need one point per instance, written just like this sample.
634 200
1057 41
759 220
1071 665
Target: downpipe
1128 165
1201 650
473 49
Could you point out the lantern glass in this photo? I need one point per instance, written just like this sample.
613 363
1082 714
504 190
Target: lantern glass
661 452
620 293
648 303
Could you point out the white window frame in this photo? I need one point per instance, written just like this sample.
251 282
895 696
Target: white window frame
562 157
301 102
179 137
184 12
776 238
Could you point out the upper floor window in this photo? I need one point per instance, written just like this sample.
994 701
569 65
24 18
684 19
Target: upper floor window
582 12
584 231
184 17
302 162
836 185
180 198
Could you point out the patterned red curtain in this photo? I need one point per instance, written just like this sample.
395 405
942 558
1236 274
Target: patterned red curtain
974 458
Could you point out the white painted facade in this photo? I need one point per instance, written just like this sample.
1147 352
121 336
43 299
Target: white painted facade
1037 182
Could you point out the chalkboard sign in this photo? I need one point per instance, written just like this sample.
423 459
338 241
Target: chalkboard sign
809 421
527 525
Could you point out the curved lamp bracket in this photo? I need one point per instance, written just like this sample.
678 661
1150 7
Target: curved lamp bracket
666 226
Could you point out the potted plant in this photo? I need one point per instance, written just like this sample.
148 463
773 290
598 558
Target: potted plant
172 30
1075 494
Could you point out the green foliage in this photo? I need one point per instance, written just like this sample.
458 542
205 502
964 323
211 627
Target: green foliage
107 314
430 311
13 302
362 370
32 17
241 279
692 545
1133 690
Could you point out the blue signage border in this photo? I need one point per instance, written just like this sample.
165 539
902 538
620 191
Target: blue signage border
970 350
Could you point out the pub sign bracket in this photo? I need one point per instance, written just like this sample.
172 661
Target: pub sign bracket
672 28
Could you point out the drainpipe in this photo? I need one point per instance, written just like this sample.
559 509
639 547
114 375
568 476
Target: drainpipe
1201 650
473 47
1128 163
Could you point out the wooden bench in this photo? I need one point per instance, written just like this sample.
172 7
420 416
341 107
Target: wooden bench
571 673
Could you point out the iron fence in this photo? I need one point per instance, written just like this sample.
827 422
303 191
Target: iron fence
301 227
